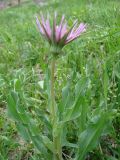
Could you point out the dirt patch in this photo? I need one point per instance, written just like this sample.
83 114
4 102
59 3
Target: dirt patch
11 3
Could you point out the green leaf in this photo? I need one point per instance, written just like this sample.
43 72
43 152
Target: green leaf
34 130
43 118
23 131
75 111
25 118
1 157
111 158
37 141
105 84
117 70
89 138
65 95
80 87
17 84
82 120
67 99
12 108
48 143
72 145
15 110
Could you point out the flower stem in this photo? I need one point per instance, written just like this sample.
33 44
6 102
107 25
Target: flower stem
56 139
53 114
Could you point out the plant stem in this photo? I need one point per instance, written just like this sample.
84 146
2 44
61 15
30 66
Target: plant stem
53 114
56 139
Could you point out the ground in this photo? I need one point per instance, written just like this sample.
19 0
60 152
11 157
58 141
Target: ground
11 3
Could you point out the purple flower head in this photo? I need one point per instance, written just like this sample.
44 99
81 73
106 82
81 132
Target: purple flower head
59 35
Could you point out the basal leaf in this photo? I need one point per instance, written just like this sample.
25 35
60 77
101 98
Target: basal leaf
23 131
12 108
48 143
74 111
88 139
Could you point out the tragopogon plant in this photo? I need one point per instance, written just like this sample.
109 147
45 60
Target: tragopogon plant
58 36
73 106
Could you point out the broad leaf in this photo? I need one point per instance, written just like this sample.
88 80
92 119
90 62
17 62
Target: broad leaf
89 138
74 111
12 108
23 131
48 143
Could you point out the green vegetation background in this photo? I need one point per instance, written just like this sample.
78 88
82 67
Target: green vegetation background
23 54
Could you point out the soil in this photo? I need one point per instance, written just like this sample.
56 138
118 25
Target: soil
11 3
8 3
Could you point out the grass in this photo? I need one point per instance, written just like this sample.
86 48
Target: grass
24 55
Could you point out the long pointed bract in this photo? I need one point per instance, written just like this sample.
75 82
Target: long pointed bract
59 35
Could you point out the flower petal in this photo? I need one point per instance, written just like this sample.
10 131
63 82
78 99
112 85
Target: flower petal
39 26
60 27
57 33
64 38
73 30
44 26
77 33
80 29
48 27
63 30
54 28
